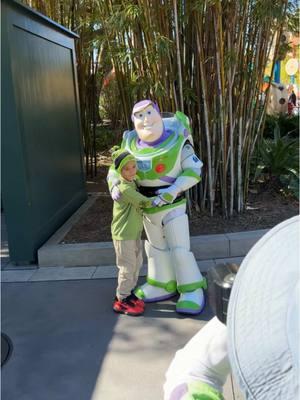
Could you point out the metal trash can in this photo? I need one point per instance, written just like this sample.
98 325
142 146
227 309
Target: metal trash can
220 280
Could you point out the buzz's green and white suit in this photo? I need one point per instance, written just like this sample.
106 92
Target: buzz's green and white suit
172 166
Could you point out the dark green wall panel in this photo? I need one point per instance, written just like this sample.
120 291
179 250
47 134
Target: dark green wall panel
42 171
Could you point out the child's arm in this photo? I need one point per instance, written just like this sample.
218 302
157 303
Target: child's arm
135 198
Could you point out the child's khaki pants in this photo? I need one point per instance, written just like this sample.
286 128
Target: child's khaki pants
129 259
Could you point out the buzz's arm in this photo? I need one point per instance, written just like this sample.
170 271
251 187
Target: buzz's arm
190 163
189 177
191 169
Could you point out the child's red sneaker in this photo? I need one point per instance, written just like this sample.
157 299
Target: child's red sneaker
136 300
127 307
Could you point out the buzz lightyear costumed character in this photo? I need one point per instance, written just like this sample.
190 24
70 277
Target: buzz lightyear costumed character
167 166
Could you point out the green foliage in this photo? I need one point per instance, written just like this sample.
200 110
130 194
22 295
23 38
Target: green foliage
293 17
263 8
132 12
163 44
159 90
139 87
106 137
110 104
290 184
288 125
284 48
278 161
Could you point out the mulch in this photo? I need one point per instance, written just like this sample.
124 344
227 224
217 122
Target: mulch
265 209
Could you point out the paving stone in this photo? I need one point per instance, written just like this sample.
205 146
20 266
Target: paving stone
210 246
205 265
241 242
104 272
4 262
80 254
234 260
62 273
10 266
204 247
111 271
16 276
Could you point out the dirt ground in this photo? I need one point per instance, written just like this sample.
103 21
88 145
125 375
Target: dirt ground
265 209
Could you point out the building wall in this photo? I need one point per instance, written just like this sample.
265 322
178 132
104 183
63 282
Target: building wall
43 180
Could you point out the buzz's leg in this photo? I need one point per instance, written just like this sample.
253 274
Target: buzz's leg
161 280
190 283
199 370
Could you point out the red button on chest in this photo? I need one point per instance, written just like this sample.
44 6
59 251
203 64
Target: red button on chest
160 168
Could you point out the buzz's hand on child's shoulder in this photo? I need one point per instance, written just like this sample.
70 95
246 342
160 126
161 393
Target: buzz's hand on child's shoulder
115 193
113 180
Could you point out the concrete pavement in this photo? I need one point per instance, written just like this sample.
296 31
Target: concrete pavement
68 343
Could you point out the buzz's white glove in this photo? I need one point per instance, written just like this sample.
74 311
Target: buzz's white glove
158 202
115 193
168 195
113 181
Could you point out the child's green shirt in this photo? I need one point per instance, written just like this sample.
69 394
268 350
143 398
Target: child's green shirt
127 223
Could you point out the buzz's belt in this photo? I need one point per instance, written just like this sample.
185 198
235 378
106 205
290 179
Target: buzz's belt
151 191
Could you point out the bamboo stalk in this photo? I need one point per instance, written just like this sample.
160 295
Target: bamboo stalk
207 132
178 56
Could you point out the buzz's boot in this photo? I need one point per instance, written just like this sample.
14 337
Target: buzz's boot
161 281
190 282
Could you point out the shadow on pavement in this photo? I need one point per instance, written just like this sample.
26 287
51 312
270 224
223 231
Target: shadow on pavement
68 341
61 331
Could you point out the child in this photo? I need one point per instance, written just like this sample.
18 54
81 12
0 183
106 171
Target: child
126 229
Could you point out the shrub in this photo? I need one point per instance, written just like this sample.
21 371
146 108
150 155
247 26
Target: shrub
106 137
278 161
288 125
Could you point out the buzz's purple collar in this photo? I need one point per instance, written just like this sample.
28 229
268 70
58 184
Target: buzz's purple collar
142 144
